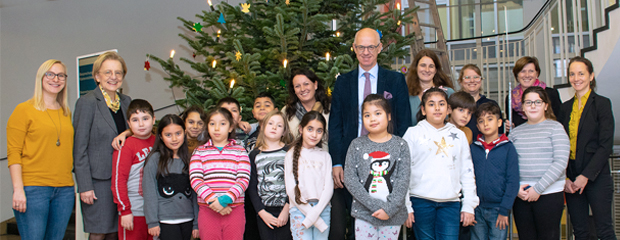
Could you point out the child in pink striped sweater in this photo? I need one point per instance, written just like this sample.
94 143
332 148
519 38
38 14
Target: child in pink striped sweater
220 173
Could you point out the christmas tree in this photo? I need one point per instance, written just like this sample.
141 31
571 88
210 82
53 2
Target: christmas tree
254 46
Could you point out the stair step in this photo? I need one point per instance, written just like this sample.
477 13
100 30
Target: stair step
429 25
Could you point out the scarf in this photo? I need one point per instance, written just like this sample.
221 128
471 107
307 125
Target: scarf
114 106
301 110
517 92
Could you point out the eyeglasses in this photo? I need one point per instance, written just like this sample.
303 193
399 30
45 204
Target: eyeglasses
118 74
371 48
51 76
538 103
473 79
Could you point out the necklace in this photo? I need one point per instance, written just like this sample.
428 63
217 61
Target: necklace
59 126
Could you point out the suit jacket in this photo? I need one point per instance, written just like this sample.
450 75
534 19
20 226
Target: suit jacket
595 137
94 131
343 118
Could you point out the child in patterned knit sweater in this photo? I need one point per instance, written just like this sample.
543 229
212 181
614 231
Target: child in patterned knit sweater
127 166
267 190
220 173
377 174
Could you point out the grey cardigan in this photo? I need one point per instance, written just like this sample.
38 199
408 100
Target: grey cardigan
357 174
94 131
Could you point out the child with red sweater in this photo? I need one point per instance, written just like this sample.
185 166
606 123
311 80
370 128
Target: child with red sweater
127 171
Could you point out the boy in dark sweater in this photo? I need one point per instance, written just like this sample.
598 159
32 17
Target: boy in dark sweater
496 167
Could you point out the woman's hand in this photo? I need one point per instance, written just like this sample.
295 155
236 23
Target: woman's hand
532 196
468 219
88 197
380 214
154 231
119 141
269 219
127 222
568 186
522 193
580 183
19 200
410 220
195 233
502 222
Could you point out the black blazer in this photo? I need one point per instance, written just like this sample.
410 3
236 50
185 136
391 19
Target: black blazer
595 137
94 131
554 98
344 113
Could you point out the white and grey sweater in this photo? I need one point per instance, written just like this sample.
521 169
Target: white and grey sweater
543 151
379 186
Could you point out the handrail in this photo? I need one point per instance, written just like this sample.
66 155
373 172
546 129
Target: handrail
594 44
534 19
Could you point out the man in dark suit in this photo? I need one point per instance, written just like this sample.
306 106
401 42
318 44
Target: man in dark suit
345 120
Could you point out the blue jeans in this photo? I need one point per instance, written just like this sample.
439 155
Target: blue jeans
485 228
301 233
48 210
436 220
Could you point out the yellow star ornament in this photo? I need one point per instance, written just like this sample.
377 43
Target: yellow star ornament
245 7
288 2
442 147
238 56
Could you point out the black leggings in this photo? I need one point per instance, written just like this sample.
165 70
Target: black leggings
182 231
540 219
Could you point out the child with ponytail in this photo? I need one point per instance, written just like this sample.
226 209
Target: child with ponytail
308 180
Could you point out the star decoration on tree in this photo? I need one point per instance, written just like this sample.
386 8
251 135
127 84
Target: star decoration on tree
442 147
288 2
198 27
238 56
221 19
245 7
147 65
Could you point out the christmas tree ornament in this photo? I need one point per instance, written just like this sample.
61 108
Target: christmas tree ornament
172 52
221 19
329 92
398 23
194 54
147 65
245 7
238 56
282 83
288 2
198 27
380 34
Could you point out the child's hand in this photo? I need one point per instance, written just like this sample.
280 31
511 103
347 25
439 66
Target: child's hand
468 219
226 211
195 233
269 219
410 220
127 222
283 217
522 193
154 231
215 205
532 196
380 214
245 126
502 222
509 126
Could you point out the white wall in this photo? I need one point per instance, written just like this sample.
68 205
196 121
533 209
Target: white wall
33 31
